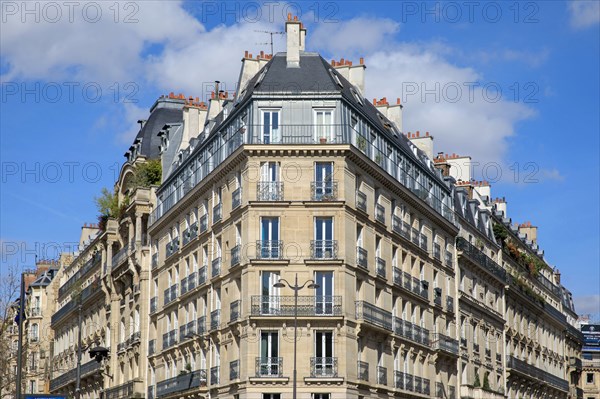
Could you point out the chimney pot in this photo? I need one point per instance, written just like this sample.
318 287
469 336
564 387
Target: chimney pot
295 17
289 16
361 61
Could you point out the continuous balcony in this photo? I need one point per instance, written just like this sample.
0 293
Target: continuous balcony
411 284
479 258
181 383
373 315
410 331
323 367
120 256
69 377
269 191
411 383
87 266
446 344
323 249
269 249
86 294
308 306
531 371
130 389
324 190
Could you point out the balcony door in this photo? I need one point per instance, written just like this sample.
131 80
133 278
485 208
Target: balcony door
268 187
269 353
324 361
323 180
324 294
323 238
324 125
270 294
269 235
270 126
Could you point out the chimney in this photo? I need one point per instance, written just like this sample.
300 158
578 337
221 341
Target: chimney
292 30
394 113
357 76
250 67
501 205
424 143
460 167
194 117
484 189
529 230
302 37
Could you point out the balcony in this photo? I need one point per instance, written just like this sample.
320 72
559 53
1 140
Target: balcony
308 306
130 389
382 375
201 276
87 266
437 252
448 258
169 339
170 294
236 198
214 375
217 213
400 228
476 348
187 331
120 256
234 310
190 233
467 391
488 353
181 383
361 257
437 297
323 249
35 312
236 255
415 235
373 315
449 304
269 367
423 241
151 392
215 319
414 285
446 344
324 367
172 247
269 191
203 223
411 383
361 201
269 249
380 266
380 213
575 363
397 276
151 347
363 371
234 370
533 372
70 376
154 260
410 331
216 267
324 190
479 258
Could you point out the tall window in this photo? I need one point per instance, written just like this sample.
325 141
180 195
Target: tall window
269 234
324 293
270 293
324 186
324 124
269 353
269 188
324 245
324 361
270 126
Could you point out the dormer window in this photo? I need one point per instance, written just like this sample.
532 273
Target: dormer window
336 79
357 96
261 77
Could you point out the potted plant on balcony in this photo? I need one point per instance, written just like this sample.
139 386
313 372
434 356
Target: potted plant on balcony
476 383
362 143
323 140
486 381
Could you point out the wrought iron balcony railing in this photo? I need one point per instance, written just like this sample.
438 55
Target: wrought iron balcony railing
187 331
397 276
70 376
201 323
123 391
215 319
450 304
234 310
448 258
382 375
380 265
172 247
537 373
480 258
214 375
170 294
269 191
413 284
437 251
373 315
361 257
181 383
361 201
411 383
323 249
217 213
269 249
415 236
444 343
201 276
323 367
324 190
363 371
216 267
169 339
380 213
413 332
234 370
236 198
236 255
120 256
307 305
203 223
269 366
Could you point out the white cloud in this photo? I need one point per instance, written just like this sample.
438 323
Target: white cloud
587 304
584 13
551 174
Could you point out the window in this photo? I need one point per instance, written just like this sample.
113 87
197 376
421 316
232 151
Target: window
589 378
269 234
324 124
324 245
270 294
269 187
324 293
324 185
269 353
271 396
270 127
321 396
324 361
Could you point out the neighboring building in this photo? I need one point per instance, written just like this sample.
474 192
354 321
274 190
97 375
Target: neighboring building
591 361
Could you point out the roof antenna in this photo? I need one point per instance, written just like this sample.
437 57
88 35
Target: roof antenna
270 33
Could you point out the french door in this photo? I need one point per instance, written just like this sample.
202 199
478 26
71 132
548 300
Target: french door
270 127
324 294
269 187
324 245
324 360
270 294
269 353
323 180
269 244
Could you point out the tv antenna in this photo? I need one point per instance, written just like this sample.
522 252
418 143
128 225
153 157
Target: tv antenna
271 33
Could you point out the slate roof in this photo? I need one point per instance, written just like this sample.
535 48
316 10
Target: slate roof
159 117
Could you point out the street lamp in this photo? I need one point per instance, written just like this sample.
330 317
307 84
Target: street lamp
308 284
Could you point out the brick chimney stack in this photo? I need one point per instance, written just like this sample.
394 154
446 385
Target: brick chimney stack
529 230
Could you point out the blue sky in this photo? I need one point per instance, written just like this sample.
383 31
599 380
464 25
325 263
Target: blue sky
515 85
